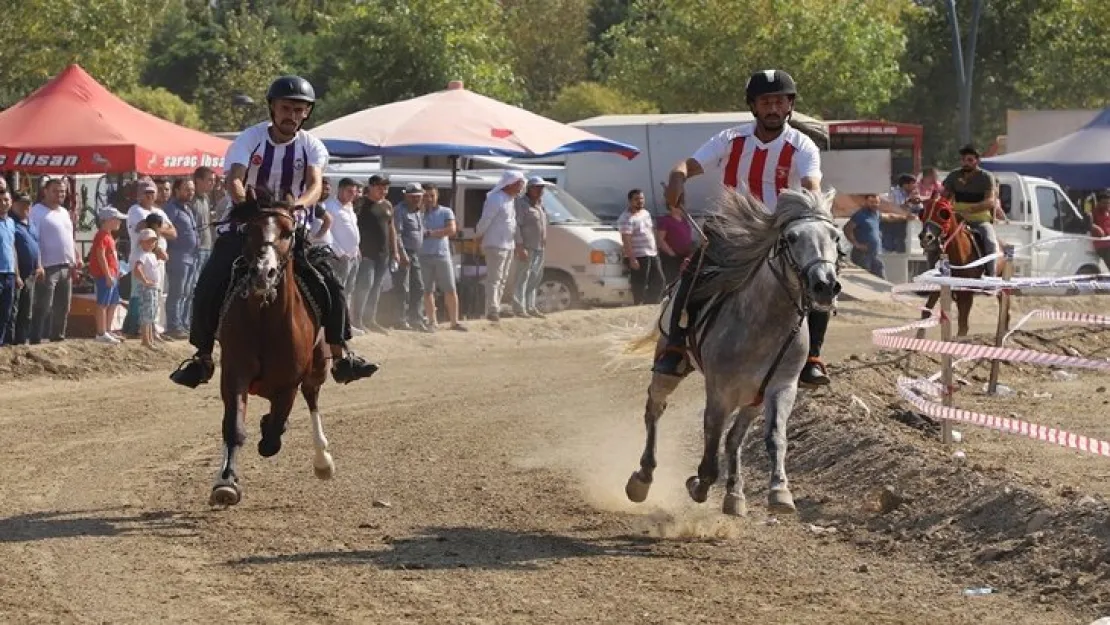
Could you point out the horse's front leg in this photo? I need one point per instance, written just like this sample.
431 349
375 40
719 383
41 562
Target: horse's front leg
659 390
927 311
964 300
322 464
227 491
777 406
272 425
734 503
715 420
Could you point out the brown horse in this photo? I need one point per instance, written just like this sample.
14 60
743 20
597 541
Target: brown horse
271 343
943 232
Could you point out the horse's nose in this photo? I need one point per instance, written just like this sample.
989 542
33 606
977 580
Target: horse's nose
271 274
828 287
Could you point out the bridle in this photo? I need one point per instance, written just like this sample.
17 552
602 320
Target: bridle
803 303
283 258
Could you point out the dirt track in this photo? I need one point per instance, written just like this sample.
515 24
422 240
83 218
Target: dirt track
497 461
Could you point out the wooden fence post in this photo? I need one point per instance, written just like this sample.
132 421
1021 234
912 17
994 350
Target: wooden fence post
1003 316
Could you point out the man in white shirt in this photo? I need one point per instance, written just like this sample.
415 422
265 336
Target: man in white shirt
277 156
146 193
345 237
763 158
496 231
58 256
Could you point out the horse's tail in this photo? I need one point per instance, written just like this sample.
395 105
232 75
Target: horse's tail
634 343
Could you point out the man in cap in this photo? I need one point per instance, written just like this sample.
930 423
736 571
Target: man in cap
408 219
531 238
972 191
276 157
496 231
30 265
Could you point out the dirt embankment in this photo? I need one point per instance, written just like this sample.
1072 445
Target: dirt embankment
1022 516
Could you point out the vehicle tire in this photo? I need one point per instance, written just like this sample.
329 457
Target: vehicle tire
556 292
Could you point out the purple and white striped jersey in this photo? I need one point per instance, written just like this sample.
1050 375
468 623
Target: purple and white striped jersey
278 168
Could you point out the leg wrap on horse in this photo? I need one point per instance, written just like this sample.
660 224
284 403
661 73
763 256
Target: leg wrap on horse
211 291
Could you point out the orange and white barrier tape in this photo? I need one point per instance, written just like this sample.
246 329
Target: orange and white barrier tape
912 390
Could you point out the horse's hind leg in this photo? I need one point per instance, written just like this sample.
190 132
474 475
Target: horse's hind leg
716 418
272 425
777 408
322 464
659 390
734 503
226 491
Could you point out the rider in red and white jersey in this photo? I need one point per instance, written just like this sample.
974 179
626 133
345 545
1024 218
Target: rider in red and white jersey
763 158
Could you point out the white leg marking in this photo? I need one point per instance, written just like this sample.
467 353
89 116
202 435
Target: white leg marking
322 464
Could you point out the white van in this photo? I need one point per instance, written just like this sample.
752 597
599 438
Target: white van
1037 210
583 263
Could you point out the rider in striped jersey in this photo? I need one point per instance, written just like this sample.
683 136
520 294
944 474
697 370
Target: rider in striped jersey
283 159
762 158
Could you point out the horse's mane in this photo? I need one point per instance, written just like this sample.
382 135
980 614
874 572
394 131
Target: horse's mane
740 234
258 199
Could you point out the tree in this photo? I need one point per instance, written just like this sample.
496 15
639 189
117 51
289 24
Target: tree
589 99
1002 69
697 56
387 50
160 102
212 56
40 38
1072 56
549 43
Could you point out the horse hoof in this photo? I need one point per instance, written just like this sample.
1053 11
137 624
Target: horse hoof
268 447
698 492
324 470
637 489
780 501
225 495
735 505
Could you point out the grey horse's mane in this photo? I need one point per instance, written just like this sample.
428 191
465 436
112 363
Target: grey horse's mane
741 234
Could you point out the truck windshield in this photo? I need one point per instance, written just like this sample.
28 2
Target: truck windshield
562 208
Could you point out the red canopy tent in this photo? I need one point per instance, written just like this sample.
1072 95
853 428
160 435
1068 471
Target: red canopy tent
73 125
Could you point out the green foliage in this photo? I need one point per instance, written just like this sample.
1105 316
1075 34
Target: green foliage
1072 56
696 56
108 38
589 99
549 41
160 102
398 49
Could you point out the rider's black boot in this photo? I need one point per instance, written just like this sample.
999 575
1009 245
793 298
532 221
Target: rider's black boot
351 367
195 371
814 372
675 351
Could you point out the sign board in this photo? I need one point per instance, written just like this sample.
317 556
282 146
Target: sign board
856 171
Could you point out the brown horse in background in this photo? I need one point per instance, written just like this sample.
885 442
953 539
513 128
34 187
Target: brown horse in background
943 232
271 343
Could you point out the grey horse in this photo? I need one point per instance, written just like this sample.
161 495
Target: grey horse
763 274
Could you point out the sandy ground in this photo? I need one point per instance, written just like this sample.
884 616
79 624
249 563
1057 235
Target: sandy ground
480 480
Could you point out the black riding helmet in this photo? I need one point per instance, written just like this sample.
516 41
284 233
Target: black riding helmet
768 82
290 88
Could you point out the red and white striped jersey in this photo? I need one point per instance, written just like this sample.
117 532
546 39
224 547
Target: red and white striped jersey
762 169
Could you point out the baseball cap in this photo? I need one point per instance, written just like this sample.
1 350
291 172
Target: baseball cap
147 233
536 181
147 186
414 188
109 212
377 179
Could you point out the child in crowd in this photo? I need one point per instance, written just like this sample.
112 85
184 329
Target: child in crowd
104 269
150 286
